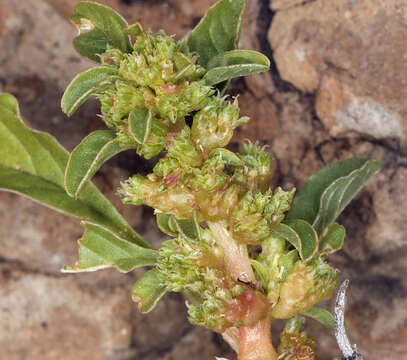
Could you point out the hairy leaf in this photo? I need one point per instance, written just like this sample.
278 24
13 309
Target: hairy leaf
329 190
332 238
87 158
149 290
235 63
321 315
32 163
99 27
218 31
100 248
83 86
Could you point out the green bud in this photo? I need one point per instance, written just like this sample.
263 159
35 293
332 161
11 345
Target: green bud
257 213
210 177
112 57
172 198
279 204
181 147
166 166
213 125
257 173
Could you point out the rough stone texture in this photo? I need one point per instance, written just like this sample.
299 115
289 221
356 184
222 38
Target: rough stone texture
335 89
351 54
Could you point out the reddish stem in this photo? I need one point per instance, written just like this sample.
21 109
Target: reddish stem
255 342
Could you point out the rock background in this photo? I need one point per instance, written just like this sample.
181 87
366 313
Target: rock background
336 89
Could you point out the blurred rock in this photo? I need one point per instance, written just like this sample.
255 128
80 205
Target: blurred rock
351 55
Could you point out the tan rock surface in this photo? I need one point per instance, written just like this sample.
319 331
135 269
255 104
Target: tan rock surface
336 90
351 54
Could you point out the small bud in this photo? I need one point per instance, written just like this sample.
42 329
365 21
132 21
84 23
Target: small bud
111 57
258 161
183 149
305 286
256 214
213 125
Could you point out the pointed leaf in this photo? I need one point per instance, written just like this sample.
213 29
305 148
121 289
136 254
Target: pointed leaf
32 163
218 31
87 158
235 63
321 315
100 248
333 238
340 193
307 205
84 85
140 124
99 27
308 236
149 290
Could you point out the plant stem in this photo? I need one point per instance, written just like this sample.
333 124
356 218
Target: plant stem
255 342
236 257
252 342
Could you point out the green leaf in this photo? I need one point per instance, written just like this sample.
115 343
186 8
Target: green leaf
149 290
329 190
84 85
91 44
308 236
32 163
261 273
321 315
286 262
99 27
301 235
172 226
164 222
140 124
100 248
218 31
332 238
229 157
87 158
235 63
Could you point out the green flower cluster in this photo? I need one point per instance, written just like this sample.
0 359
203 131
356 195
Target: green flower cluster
195 267
159 76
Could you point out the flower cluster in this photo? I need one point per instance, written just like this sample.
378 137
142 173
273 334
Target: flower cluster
159 76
